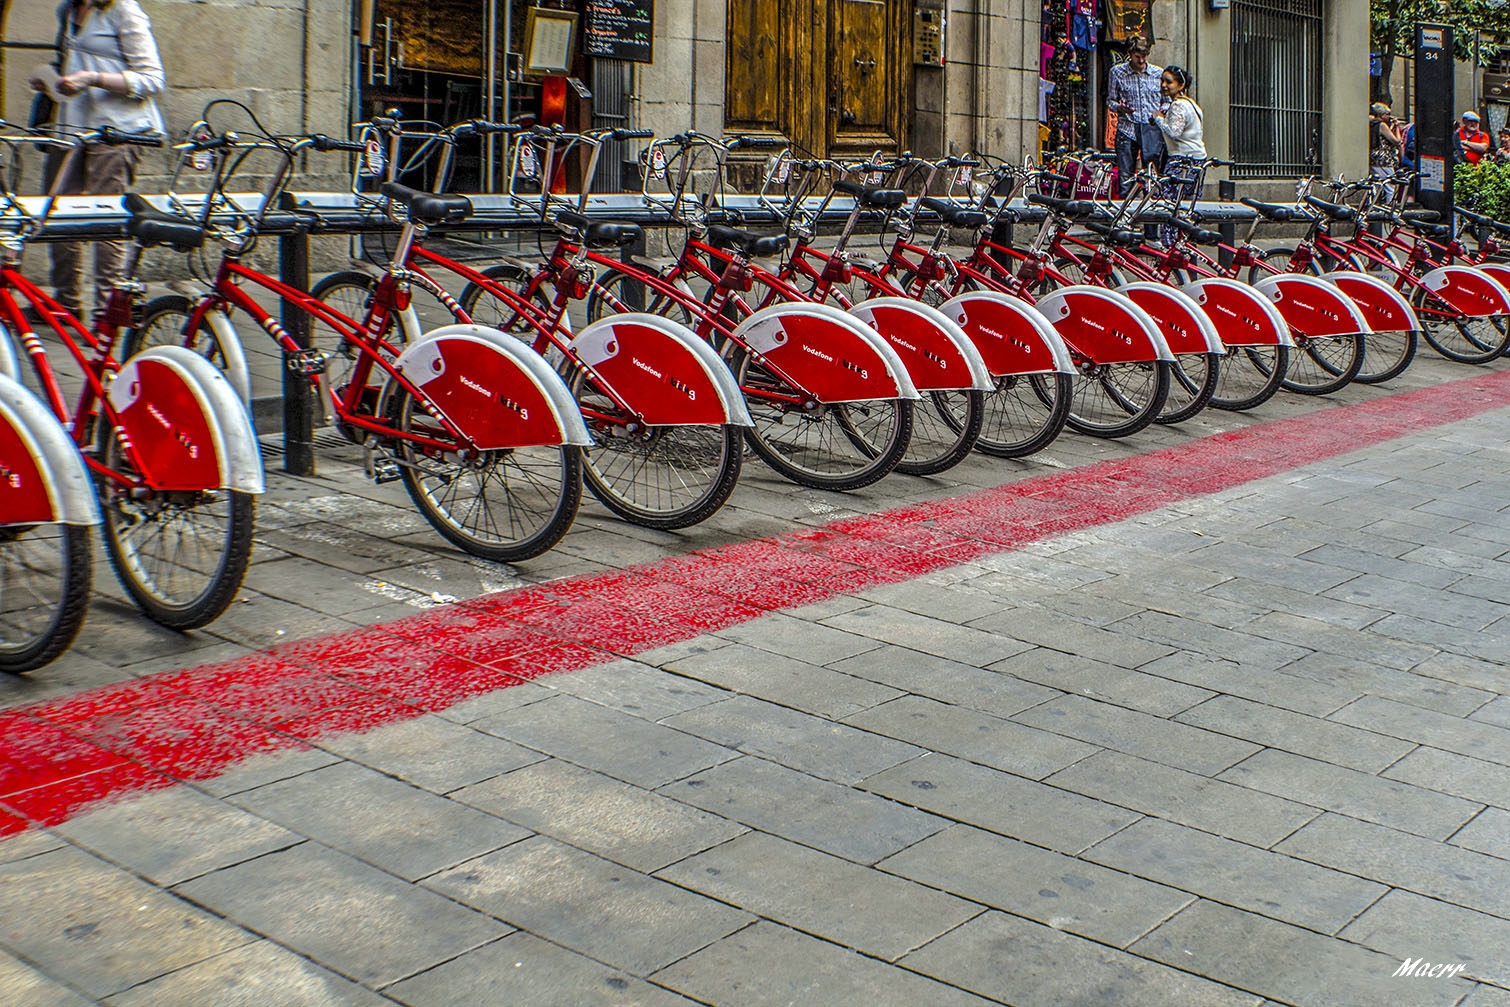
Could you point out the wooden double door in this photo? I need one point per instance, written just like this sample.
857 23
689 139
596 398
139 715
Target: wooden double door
833 76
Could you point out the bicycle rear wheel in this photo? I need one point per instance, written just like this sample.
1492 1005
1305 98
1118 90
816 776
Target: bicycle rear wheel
1458 337
945 427
1116 400
662 477
839 446
1321 365
1249 376
180 555
162 323
506 505
44 592
1024 413
1192 381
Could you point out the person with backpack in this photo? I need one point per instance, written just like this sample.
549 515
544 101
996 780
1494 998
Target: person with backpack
109 74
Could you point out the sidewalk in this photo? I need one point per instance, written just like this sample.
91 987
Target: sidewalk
1212 717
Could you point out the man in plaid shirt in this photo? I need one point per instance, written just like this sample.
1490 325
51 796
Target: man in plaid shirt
1134 95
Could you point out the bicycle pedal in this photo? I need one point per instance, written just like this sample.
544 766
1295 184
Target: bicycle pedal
309 363
385 470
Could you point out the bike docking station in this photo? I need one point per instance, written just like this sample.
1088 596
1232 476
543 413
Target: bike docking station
301 215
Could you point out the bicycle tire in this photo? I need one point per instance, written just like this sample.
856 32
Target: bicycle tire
348 292
1192 380
663 477
857 443
1456 337
613 287
1322 365
1117 400
1024 413
475 504
1249 377
162 323
1386 354
485 309
945 427
45 574
1281 256
193 577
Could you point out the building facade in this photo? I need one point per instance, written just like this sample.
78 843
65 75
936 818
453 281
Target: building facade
1283 83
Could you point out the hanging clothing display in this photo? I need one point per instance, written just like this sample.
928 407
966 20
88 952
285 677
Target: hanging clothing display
1068 44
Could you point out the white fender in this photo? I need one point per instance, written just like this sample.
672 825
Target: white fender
1242 316
1468 290
1011 335
662 370
828 353
936 352
42 475
494 388
236 369
1384 308
1182 321
10 366
1104 325
202 395
1313 307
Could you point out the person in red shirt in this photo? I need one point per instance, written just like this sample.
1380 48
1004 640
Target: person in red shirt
1472 140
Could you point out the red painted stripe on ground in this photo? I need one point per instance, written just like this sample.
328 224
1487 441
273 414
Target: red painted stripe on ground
59 757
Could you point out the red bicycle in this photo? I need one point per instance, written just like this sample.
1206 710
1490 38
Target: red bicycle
169 446
482 432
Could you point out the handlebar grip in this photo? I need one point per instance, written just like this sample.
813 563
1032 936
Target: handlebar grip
1049 176
212 142
961 162
1217 162
116 136
632 134
321 142
757 142
484 126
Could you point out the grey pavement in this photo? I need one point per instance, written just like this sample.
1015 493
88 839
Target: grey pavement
1251 748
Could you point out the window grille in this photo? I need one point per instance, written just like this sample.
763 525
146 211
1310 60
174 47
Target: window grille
1276 88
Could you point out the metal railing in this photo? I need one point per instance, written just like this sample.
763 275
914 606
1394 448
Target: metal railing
1276 88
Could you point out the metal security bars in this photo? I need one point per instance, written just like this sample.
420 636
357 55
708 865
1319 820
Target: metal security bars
1276 88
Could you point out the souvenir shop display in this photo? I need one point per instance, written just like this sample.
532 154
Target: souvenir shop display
1066 55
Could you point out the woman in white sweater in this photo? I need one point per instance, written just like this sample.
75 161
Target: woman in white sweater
1183 133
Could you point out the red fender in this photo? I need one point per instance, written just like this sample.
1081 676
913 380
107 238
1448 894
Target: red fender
1012 336
937 354
1242 316
1313 307
42 476
1104 325
168 429
1468 290
826 353
1181 321
661 370
1499 271
1384 308
495 390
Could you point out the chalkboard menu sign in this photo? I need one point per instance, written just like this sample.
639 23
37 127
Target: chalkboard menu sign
619 29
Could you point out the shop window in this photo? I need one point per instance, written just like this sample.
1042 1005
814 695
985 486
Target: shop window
1276 88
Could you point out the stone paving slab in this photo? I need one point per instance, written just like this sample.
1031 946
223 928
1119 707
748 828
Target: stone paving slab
1244 749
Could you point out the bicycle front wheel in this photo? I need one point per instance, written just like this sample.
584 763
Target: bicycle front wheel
506 505
1322 365
1249 376
1024 413
180 555
1192 381
44 592
945 427
1116 400
836 446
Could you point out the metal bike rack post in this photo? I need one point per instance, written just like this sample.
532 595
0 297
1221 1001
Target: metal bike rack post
1226 191
298 394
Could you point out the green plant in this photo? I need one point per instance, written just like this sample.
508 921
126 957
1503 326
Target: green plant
1483 187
